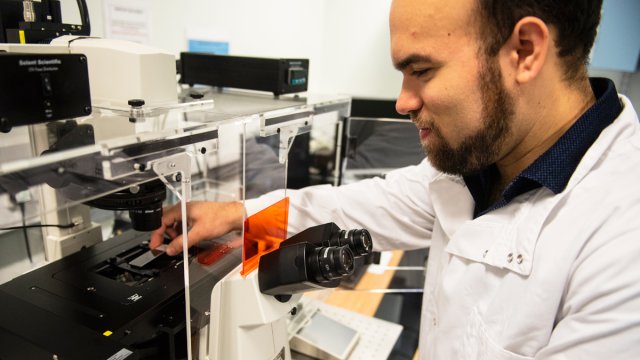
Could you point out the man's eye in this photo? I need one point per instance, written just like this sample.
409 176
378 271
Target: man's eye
420 72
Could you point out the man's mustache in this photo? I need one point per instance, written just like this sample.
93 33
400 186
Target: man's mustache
423 122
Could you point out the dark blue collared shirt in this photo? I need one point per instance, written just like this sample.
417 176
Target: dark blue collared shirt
553 168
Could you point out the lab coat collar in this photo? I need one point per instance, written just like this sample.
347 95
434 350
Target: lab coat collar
504 238
626 124
452 202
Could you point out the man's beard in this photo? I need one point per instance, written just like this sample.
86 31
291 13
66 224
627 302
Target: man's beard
481 149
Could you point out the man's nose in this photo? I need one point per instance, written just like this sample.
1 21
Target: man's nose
408 100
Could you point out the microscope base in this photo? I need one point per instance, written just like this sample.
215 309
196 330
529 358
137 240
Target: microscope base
247 324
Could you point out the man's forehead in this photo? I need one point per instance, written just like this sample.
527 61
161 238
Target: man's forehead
430 17
431 28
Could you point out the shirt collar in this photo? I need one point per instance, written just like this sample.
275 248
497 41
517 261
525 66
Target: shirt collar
554 167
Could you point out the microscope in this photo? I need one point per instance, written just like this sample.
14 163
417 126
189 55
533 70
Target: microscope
103 298
92 299
253 310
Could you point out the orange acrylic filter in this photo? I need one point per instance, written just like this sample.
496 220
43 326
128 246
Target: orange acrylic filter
263 233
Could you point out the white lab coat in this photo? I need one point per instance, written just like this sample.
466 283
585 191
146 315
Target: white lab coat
546 277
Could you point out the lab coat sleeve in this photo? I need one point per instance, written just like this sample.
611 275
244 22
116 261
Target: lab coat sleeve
396 210
600 316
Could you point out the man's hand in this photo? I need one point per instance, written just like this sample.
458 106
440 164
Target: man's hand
206 220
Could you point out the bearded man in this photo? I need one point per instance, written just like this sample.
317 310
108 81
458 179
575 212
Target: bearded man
528 197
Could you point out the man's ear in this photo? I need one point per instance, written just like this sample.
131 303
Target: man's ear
527 48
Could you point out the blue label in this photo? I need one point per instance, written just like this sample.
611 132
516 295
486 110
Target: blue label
212 47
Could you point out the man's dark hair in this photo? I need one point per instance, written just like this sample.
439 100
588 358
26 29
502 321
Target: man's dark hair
576 22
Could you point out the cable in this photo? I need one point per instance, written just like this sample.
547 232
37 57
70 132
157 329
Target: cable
24 231
61 226
84 17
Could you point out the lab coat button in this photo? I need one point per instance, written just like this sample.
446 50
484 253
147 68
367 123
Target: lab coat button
510 257
519 259
435 323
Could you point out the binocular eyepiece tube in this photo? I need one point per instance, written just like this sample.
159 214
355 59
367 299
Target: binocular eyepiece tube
318 257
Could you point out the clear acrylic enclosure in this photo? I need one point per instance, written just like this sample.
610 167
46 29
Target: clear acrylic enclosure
80 198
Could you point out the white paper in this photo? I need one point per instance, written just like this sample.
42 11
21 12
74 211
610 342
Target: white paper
128 20
385 259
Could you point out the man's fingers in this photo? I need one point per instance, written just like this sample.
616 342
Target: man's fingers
194 236
175 246
170 216
157 237
173 231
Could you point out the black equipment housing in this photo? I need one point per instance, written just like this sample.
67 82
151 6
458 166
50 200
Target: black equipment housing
279 76
39 88
46 26
66 307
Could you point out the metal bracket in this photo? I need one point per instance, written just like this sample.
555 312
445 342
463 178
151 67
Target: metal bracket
288 127
169 166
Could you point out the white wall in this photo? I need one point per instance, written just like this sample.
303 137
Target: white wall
357 58
347 41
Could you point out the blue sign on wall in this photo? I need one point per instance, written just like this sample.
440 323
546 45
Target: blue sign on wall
212 47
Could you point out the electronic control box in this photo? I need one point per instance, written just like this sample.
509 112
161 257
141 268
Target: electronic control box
279 76
40 88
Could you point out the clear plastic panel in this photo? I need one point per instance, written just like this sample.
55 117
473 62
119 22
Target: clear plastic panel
213 176
76 162
138 114
376 146
210 260
257 133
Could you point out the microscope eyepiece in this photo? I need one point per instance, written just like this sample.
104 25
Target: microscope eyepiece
329 263
358 240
